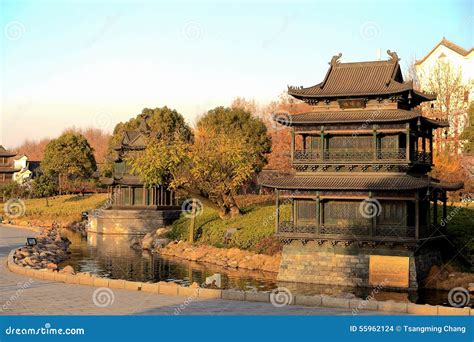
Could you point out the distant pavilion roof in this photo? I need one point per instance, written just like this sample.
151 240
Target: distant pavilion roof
364 182
372 116
360 79
5 153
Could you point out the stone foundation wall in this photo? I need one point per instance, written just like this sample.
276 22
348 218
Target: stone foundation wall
348 266
130 222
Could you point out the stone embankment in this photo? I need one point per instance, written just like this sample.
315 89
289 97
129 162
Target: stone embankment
231 257
50 250
235 258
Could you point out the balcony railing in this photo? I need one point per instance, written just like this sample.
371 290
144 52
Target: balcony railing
288 228
360 155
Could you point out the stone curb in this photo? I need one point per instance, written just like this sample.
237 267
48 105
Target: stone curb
173 289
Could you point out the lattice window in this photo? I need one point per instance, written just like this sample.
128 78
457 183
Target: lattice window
344 214
305 211
392 213
388 142
351 142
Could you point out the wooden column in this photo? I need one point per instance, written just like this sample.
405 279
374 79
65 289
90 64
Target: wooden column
417 216
304 141
431 145
423 144
375 142
277 213
428 210
435 208
407 142
322 143
321 213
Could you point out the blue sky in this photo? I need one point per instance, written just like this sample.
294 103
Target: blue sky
95 63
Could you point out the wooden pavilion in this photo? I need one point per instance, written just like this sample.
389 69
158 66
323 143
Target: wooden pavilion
360 194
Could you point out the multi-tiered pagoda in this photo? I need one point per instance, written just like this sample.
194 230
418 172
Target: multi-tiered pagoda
134 208
360 209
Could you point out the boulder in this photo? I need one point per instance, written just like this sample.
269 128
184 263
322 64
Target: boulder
68 270
52 266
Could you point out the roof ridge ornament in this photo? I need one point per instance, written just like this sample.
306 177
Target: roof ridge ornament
335 59
393 56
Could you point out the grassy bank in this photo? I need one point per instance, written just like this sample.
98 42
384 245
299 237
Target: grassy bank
60 209
255 227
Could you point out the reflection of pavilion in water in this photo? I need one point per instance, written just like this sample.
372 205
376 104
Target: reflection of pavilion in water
115 259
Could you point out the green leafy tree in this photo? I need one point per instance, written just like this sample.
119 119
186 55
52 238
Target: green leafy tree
231 146
44 186
69 157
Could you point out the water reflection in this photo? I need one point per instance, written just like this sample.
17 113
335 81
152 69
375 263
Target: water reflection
111 256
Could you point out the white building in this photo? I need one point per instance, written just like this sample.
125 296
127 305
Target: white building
448 52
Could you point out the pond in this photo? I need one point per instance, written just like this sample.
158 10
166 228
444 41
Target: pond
111 256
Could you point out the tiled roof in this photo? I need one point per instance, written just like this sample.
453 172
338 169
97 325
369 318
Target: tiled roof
6 153
450 45
349 182
371 116
357 79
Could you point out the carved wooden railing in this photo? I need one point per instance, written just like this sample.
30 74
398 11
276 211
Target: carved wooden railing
381 231
360 155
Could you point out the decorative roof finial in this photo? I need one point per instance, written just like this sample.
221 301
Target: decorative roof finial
335 59
393 56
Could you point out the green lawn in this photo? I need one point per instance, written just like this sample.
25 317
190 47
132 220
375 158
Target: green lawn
256 223
61 209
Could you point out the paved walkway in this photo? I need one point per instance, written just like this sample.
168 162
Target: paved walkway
21 295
